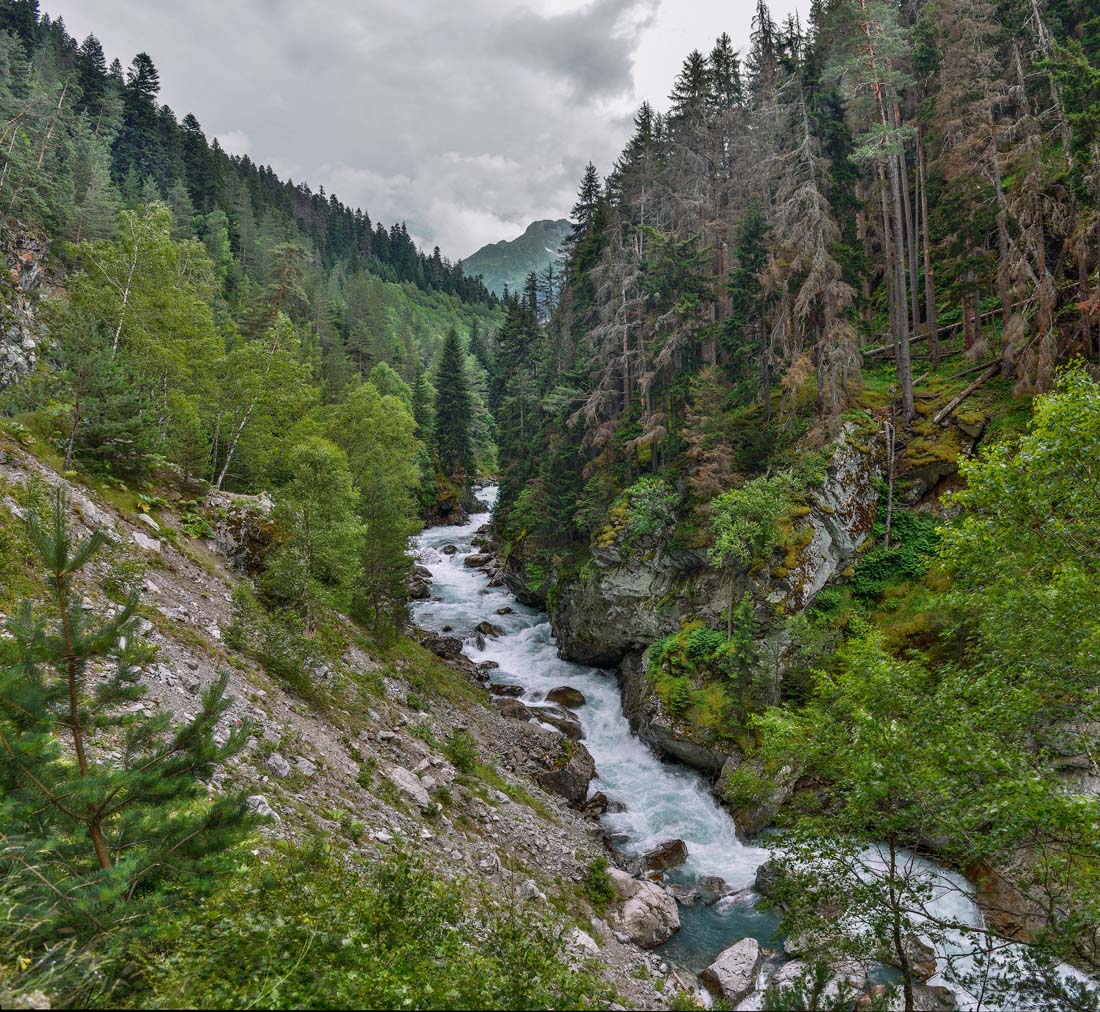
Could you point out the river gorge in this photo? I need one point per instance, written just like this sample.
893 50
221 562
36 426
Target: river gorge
652 801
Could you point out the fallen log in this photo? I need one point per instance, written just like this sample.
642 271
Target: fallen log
946 411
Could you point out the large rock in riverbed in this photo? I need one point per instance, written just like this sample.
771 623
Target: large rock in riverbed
732 975
560 719
648 914
665 856
570 772
566 695
509 706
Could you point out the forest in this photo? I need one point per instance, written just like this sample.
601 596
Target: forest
874 231
819 371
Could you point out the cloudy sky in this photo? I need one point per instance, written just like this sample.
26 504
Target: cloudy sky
466 120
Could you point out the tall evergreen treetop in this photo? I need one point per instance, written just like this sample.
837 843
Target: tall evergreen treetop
452 408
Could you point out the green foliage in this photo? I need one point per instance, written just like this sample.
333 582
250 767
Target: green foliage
276 639
377 433
1025 558
194 523
745 520
88 838
811 991
641 512
111 425
697 656
597 884
913 543
453 410
461 749
321 934
389 384
310 568
676 272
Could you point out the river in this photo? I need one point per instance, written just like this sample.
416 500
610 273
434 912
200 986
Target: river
662 800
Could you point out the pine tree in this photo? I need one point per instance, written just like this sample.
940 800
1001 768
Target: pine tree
690 91
453 409
588 199
138 146
743 336
110 423
422 402
378 435
95 833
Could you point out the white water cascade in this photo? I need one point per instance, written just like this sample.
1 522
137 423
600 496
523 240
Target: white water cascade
663 801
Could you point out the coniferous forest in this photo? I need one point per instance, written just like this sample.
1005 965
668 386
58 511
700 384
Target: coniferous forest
771 678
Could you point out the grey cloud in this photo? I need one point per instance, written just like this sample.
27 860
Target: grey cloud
591 47
467 121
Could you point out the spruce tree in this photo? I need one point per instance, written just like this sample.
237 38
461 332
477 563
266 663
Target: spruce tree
725 75
89 833
452 408
421 402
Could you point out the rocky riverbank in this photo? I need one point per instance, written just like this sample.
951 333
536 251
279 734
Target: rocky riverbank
365 760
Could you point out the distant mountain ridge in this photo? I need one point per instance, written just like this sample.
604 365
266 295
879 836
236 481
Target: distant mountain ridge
509 261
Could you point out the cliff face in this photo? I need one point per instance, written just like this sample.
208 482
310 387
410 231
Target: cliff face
24 278
624 603
610 613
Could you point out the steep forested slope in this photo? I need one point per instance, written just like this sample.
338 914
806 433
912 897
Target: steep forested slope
804 308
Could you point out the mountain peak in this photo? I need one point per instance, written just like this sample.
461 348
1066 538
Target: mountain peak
509 261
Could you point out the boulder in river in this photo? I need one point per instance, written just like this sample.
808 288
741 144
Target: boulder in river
420 583
447 647
477 561
449 549
566 695
712 889
684 895
597 804
648 914
920 955
666 855
560 719
767 877
504 611
488 629
506 706
569 773
732 976
504 689
755 815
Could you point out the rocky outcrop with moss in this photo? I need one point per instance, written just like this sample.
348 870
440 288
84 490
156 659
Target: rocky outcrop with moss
23 278
639 588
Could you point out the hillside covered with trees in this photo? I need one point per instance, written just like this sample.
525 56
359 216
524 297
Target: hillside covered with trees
504 265
800 437
805 446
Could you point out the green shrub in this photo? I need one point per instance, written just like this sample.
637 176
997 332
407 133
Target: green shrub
645 509
597 884
461 749
914 541
320 934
